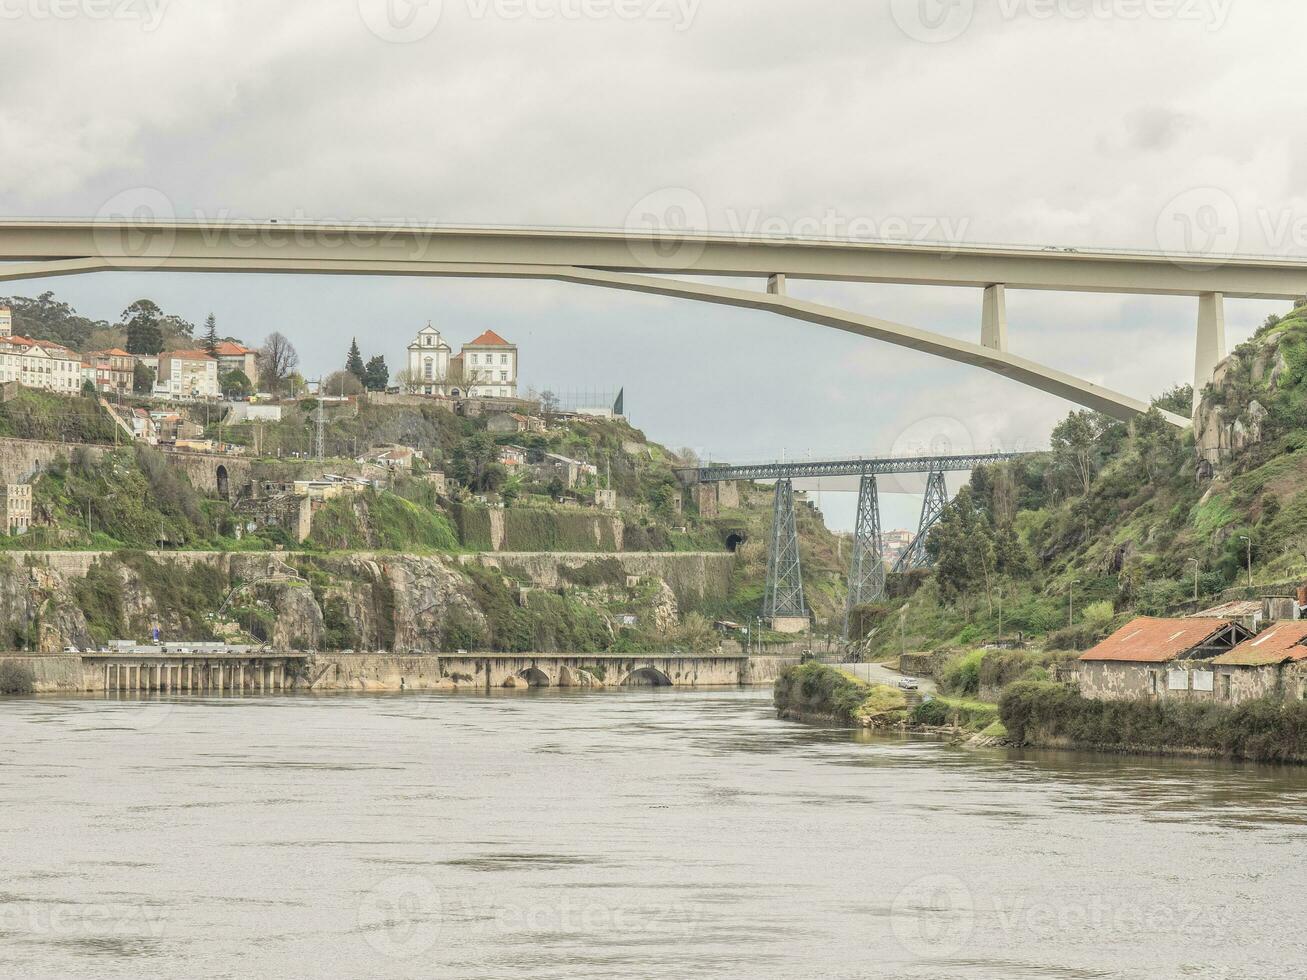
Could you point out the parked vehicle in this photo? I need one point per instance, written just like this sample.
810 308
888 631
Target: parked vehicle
908 684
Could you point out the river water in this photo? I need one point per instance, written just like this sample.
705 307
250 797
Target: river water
648 833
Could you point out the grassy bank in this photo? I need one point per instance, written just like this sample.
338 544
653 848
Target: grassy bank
816 692
1052 715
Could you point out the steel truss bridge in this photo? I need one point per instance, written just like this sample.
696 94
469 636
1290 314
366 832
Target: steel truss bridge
783 598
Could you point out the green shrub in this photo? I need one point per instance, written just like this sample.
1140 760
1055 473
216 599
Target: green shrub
932 712
961 675
1265 730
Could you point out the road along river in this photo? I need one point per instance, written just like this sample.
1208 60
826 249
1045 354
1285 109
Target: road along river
643 833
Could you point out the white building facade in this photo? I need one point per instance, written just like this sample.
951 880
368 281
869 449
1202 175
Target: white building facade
187 374
428 362
39 364
484 368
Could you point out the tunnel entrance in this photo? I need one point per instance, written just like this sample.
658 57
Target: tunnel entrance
734 540
223 483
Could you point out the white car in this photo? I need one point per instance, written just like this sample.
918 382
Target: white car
908 684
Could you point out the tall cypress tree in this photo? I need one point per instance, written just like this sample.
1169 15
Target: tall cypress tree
354 362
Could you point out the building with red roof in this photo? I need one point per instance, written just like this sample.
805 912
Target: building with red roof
1151 657
485 367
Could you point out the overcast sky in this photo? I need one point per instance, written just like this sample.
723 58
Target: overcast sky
1067 122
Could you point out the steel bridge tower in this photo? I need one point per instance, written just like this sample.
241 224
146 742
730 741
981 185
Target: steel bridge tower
867 569
784 596
932 508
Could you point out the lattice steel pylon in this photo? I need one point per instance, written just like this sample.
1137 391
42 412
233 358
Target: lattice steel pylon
867 569
932 508
784 595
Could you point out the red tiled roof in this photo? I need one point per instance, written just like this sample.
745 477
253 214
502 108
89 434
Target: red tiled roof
490 339
228 349
1149 640
1278 643
188 355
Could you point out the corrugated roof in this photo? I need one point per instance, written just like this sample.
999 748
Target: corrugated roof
490 339
1149 640
1231 610
1279 643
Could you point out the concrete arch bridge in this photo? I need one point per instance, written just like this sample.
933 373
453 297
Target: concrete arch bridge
649 261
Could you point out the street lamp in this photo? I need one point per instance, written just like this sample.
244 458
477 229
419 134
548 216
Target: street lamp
1196 564
1071 602
1249 542
903 629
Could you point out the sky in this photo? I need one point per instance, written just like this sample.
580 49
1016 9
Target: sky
1078 123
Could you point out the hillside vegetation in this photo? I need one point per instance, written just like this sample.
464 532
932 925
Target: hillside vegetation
1116 518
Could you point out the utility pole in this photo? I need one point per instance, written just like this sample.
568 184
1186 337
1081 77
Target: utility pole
321 424
1071 602
1249 542
1195 564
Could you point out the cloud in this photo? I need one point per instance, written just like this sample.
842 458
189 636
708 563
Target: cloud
1025 128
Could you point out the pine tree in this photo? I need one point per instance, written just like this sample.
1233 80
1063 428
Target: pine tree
210 343
376 375
354 362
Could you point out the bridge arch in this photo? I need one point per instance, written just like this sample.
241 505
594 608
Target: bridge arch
648 262
646 676
223 481
534 677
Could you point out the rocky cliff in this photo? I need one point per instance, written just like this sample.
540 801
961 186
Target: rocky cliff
395 602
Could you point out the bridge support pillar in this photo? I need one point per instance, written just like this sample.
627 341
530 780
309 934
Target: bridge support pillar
867 569
776 284
1210 348
993 318
783 603
932 508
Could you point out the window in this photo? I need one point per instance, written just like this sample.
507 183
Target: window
503 358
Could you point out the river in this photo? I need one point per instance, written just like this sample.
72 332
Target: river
646 833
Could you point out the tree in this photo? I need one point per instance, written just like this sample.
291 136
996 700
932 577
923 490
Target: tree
142 378
88 388
376 375
354 362
144 333
407 382
46 318
277 360
340 384
210 343
962 545
176 330
236 383
1081 442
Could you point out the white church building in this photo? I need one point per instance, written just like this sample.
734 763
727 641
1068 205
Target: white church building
485 368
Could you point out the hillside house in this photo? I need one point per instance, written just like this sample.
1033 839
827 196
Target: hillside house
1271 664
1158 658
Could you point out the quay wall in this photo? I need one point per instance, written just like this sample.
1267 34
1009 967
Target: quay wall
360 672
